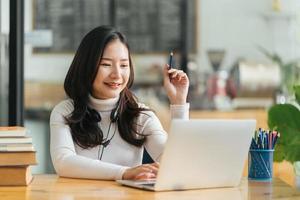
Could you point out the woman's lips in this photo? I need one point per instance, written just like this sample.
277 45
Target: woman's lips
113 85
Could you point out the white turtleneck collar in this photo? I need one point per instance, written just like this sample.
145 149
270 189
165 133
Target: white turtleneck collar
103 104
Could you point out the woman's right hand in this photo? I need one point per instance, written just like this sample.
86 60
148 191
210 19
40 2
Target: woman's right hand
176 84
142 172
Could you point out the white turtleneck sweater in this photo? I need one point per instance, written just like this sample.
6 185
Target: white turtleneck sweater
70 160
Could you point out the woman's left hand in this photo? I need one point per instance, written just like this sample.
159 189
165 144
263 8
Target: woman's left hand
176 84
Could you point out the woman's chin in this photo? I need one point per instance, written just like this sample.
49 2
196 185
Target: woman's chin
113 95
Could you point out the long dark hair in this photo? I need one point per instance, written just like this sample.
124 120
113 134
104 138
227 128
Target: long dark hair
78 85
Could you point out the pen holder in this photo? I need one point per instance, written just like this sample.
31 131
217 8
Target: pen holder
260 164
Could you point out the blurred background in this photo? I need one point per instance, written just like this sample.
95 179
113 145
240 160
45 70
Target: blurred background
241 56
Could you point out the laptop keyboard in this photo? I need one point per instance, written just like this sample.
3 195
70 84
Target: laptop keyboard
148 184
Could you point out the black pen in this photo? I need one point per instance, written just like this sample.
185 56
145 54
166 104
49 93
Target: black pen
170 60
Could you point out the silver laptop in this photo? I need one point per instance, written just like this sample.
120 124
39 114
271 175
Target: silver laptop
201 154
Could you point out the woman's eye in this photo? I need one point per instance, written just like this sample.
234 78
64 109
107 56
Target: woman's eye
106 64
124 65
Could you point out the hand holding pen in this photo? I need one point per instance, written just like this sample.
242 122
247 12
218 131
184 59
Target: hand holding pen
176 83
171 60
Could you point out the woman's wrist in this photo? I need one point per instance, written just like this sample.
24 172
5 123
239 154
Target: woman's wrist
180 111
178 102
124 176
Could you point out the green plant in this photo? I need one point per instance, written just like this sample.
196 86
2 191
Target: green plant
285 118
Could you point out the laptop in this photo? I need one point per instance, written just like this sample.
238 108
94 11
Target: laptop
201 153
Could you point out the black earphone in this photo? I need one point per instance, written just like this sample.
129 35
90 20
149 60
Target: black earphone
114 115
96 117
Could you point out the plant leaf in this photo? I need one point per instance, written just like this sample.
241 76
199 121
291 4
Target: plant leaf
297 93
284 116
286 119
279 155
292 152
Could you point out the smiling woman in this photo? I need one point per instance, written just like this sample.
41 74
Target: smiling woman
114 71
101 130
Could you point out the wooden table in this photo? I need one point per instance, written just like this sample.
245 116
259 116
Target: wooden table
52 187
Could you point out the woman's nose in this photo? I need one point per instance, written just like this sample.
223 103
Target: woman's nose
116 71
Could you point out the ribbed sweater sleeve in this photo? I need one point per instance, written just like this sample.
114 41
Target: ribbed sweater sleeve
67 162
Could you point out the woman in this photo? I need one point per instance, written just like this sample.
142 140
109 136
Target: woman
100 131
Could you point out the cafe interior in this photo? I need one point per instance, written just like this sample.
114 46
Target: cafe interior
242 58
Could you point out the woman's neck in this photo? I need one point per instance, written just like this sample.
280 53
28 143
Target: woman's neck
103 104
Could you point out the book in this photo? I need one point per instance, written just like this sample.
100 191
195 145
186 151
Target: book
16 147
12 131
10 140
15 176
17 158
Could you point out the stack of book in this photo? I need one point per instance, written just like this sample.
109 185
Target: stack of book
16 155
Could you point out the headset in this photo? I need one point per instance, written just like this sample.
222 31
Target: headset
96 117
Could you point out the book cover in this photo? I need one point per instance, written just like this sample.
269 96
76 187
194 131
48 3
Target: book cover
12 131
17 158
16 147
15 176
10 140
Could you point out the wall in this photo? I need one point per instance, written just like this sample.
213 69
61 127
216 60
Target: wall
4 28
238 26
4 19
